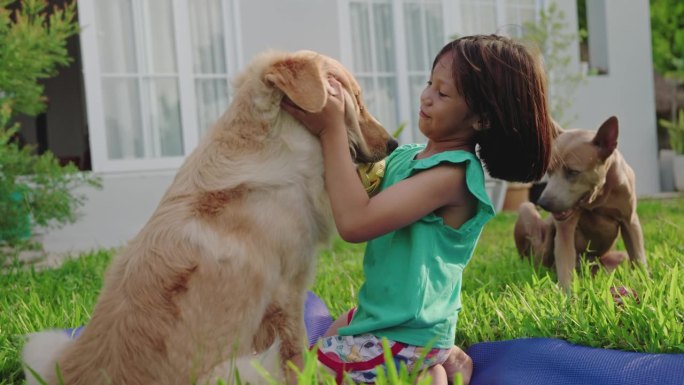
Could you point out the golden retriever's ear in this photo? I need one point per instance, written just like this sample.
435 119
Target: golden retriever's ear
301 79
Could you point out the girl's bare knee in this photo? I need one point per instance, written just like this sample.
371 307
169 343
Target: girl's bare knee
341 321
438 375
458 362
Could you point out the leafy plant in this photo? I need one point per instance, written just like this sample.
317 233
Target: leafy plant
667 32
35 190
32 47
550 34
397 133
675 130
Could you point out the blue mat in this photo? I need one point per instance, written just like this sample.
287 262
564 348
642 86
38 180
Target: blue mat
547 361
316 318
537 361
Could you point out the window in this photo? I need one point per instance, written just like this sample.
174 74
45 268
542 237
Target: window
518 12
374 56
495 16
210 64
392 44
392 66
139 79
478 16
156 76
591 19
424 37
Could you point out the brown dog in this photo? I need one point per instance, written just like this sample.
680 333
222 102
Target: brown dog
222 267
590 195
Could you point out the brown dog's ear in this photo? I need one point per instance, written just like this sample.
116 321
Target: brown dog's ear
556 128
301 79
606 137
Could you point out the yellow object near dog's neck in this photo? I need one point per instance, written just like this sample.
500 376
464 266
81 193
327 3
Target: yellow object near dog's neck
371 175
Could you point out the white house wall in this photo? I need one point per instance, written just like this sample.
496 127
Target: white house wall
112 216
627 91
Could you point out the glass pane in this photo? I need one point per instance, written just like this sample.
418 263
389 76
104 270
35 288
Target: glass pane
212 100
434 24
206 30
517 13
115 36
414 36
123 122
159 42
386 102
367 88
478 16
424 34
417 85
164 119
384 37
361 43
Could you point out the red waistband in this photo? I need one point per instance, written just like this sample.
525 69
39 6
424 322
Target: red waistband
340 367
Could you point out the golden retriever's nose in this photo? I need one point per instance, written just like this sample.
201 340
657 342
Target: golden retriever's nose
391 146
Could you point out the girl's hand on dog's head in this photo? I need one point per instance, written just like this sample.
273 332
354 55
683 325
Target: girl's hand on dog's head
331 117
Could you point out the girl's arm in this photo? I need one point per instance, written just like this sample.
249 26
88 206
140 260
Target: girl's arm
359 218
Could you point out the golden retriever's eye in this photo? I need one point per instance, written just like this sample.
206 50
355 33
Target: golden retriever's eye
359 103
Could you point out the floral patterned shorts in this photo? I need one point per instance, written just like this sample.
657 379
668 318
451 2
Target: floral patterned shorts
359 356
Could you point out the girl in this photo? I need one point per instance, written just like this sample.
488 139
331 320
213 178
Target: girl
486 96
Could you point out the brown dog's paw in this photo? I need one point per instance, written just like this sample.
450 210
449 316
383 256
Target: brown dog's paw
620 292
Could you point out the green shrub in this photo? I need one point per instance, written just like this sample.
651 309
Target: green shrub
35 190
675 131
32 47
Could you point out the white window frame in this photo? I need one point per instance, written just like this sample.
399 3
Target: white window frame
452 19
92 76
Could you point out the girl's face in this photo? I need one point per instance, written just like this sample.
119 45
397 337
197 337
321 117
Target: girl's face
444 114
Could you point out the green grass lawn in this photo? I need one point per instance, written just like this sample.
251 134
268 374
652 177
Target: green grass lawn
504 297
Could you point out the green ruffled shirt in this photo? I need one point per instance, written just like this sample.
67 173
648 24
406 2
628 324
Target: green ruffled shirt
412 291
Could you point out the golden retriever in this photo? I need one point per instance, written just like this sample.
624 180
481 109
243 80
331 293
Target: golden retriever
222 266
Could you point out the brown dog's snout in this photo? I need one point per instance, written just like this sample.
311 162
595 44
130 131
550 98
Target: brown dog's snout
391 146
545 203
552 205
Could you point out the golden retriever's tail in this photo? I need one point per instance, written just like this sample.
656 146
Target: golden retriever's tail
40 353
